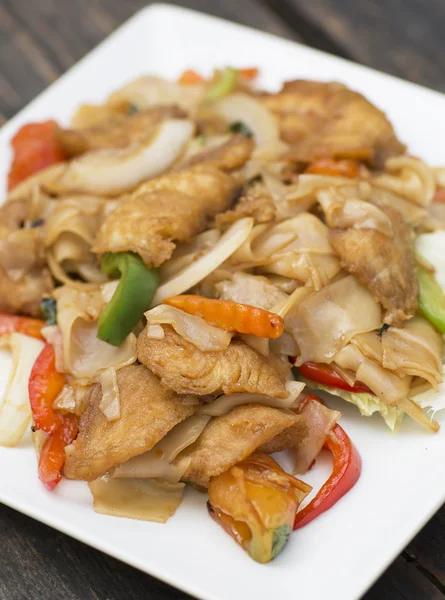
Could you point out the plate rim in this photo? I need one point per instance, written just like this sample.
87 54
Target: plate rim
164 9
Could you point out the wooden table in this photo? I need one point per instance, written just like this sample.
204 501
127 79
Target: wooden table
39 40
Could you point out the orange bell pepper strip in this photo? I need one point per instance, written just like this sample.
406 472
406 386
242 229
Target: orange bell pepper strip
346 471
35 147
335 168
45 384
255 502
249 72
26 325
52 456
230 316
190 77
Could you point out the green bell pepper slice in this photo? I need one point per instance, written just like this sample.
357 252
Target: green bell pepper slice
431 299
133 295
224 85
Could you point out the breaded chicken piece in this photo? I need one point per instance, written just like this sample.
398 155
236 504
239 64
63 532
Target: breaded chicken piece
254 202
384 263
148 412
24 278
182 367
162 211
291 437
230 438
118 131
329 120
230 155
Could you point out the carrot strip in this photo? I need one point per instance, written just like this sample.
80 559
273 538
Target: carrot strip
336 168
230 316
189 77
249 72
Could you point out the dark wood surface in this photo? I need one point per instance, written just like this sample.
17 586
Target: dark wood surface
39 40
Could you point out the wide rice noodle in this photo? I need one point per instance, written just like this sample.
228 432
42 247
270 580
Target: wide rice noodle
84 354
409 177
69 234
387 386
325 321
188 277
143 499
319 420
157 462
297 248
224 404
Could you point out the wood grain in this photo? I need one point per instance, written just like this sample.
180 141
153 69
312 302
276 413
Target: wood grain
401 37
39 40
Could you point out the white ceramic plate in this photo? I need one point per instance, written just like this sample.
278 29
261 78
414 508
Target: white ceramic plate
403 482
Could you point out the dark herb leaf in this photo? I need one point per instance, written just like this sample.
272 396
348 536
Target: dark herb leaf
240 127
49 310
383 328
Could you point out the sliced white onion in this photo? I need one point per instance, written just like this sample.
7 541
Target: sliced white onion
110 401
195 330
225 404
15 411
232 239
241 107
112 172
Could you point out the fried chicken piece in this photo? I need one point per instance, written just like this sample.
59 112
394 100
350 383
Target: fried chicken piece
384 263
148 412
23 295
162 211
292 437
24 278
230 155
117 131
329 120
230 438
182 367
255 202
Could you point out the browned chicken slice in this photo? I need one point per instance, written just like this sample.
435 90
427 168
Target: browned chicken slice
230 438
165 210
255 202
230 155
329 120
182 367
24 278
148 412
384 263
291 437
117 131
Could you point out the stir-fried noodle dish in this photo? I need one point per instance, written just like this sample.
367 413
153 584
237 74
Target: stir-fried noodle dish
186 266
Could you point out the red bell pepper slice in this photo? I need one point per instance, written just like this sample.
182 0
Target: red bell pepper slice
45 384
35 147
26 325
326 375
346 471
52 456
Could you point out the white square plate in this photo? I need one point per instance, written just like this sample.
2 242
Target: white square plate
403 481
